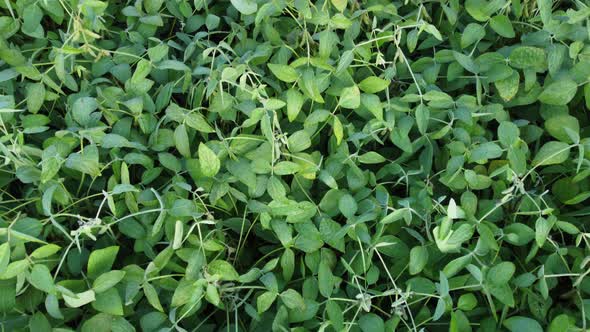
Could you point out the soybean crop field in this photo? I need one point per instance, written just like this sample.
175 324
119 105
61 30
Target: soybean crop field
295 165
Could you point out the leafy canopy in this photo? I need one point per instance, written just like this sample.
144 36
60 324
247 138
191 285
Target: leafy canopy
287 165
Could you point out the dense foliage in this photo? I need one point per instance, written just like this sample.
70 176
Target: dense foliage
244 165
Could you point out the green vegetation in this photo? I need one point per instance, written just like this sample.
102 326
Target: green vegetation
287 165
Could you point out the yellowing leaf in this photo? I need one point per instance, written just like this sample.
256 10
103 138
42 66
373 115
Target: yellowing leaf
208 161
338 130
283 72
373 84
340 5
350 97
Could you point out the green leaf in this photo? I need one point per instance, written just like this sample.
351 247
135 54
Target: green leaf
299 141
82 110
39 322
371 323
481 9
347 206
288 264
454 239
523 57
325 279
562 127
552 153
371 157
246 7
418 259
456 265
292 299
85 161
198 122
265 300
208 161
309 85
439 310
431 29
283 72
545 10
41 278
466 62
31 21
559 92
15 268
338 130
44 251
542 228
212 22
295 102
182 142
272 104
473 33
167 64
520 323
555 57
107 280
503 293
101 261
79 299
508 133
35 93
422 118
178 235
467 302
485 151
212 295
340 5
4 257
335 314
373 84
52 307
152 296
477 181
54 9
286 168
100 322
579 198
346 58
373 104
502 25
110 141
109 302
309 239
152 6
508 87
560 323
518 234
501 273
